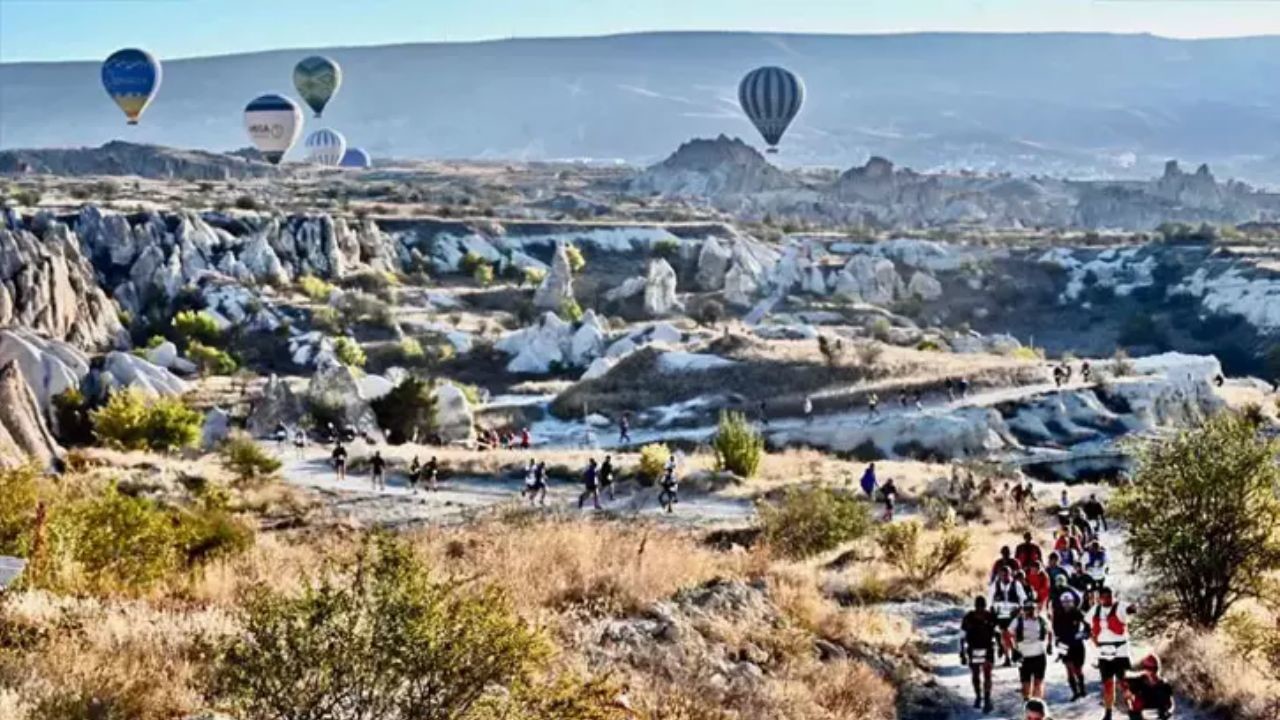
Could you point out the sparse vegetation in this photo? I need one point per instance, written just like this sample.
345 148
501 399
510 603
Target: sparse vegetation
131 421
576 261
408 412
653 460
570 310
198 326
738 445
246 460
348 352
922 565
211 360
812 520
314 288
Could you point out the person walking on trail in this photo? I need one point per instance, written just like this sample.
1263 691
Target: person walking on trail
1149 691
1033 640
1085 371
889 496
963 386
1071 631
1005 561
591 485
1109 630
281 434
1095 513
300 442
415 474
624 429
670 493
977 650
1064 504
950 387
1028 551
808 409
873 406
868 481
535 483
764 414
1039 584
1095 562
1055 570
1083 584
378 466
1007 596
525 439
431 472
606 476
339 459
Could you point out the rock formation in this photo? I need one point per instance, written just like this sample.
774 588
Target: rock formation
334 387
24 435
49 366
124 158
708 168
216 428
660 289
557 286
278 405
126 370
455 422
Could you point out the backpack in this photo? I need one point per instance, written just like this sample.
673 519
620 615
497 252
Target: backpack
1044 629
1114 623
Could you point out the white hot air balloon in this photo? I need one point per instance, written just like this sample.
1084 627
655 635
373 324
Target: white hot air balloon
274 123
326 147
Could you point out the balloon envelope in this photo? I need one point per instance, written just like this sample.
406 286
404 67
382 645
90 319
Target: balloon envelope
356 158
326 147
273 123
131 77
771 97
317 80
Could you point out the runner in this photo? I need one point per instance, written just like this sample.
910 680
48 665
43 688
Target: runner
1071 631
764 414
670 494
1095 562
1064 504
868 481
431 471
281 434
1028 551
1055 571
1149 691
378 465
1035 709
808 409
591 481
525 439
977 650
1039 584
1007 595
1109 628
606 475
1095 513
1033 639
888 495
415 474
1082 584
873 406
536 483
339 458
1085 371
624 429
300 442
1006 560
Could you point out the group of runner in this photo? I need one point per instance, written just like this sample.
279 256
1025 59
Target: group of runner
1037 604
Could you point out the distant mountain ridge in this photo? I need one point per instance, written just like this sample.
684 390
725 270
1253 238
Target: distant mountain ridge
1073 105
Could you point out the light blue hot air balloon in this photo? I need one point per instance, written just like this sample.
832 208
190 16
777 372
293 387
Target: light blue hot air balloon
356 158
132 78
771 97
317 80
326 147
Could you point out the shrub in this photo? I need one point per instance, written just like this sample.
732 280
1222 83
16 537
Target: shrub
386 641
246 202
349 352
1217 482
533 276
155 341
130 422
880 328
710 313
411 349
472 262
576 261
653 462
922 566
408 411
211 360
831 350
374 282
738 445
666 248
869 353
327 320
246 459
196 325
1121 365
315 288
483 275
812 520
210 534
20 492
358 307
1026 352
71 417
929 345
122 541
570 310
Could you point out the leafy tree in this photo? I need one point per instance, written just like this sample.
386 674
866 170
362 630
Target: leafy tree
384 640
812 520
211 360
408 411
130 422
1203 518
738 445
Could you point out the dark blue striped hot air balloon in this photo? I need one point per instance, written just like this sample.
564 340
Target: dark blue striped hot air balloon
771 97
131 77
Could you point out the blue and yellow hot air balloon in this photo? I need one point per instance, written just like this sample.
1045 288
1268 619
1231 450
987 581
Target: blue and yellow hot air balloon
131 77
317 80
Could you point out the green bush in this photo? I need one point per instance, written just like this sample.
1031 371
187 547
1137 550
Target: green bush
667 249
411 349
122 541
483 275
812 520
533 276
246 460
211 360
738 445
472 262
349 352
385 641
1026 352
315 288
20 491
71 417
922 566
210 534
358 307
653 462
129 421
1203 518
880 328
327 320
570 310
576 261
408 411
155 341
196 325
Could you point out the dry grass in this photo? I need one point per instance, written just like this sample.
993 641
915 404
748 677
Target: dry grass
1207 669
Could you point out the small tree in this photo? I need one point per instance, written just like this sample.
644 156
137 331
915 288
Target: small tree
130 422
245 459
407 411
738 445
813 520
211 360
653 461
570 311
196 325
1203 517
922 566
576 261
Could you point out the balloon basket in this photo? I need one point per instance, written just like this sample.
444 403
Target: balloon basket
132 122
772 151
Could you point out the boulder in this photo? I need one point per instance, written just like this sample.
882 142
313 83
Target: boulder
216 428
588 340
713 264
48 366
660 289
538 347
373 387
24 434
455 421
278 405
740 286
125 370
557 286
869 279
924 286
664 333
813 282
598 368
334 387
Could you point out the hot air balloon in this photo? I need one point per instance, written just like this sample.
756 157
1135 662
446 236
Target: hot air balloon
771 97
317 79
273 122
131 77
326 147
356 158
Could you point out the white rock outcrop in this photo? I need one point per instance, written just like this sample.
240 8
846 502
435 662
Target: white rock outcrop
455 421
49 366
714 259
125 370
557 286
660 289
924 286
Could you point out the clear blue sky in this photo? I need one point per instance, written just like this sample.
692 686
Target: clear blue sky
85 29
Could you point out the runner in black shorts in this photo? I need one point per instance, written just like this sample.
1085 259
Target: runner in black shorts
1071 631
340 461
1033 638
978 649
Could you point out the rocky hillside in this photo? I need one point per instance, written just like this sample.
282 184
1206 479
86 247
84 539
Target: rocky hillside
124 158
737 179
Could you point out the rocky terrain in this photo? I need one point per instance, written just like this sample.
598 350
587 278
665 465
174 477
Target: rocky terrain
122 158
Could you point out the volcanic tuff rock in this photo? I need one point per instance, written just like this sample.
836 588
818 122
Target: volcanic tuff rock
334 387
455 421
122 369
47 285
709 168
278 405
49 366
131 159
24 435
557 286
553 342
